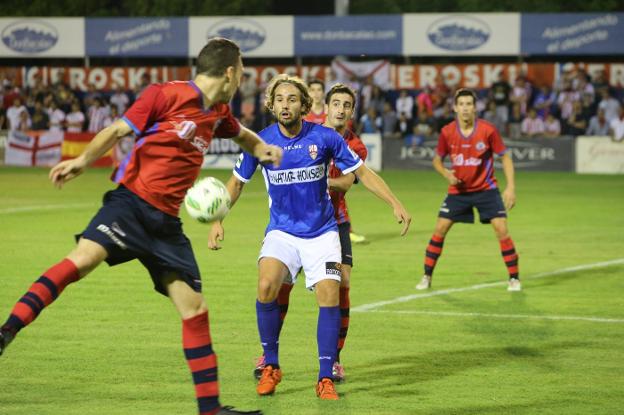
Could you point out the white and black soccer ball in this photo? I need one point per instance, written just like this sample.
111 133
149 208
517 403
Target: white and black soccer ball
208 200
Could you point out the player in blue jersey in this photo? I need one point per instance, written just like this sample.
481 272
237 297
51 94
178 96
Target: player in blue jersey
302 231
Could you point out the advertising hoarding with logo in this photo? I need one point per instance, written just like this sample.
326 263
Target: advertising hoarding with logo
573 34
599 155
42 37
433 34
137 37
257 36
536 154
348 35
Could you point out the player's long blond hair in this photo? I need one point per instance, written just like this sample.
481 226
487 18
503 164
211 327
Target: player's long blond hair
269 95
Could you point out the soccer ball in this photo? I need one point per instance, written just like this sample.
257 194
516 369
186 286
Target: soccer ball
208 200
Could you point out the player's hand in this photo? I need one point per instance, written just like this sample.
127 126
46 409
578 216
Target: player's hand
66 171
269 154
402 217
509 198
450 176
215 235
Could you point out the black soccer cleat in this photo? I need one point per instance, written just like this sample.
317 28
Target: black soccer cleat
5 338
228 410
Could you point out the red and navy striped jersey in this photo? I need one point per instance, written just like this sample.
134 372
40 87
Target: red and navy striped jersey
315 118
339 202
472 157
174 130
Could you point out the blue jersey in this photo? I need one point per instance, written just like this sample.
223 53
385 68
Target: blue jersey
299 201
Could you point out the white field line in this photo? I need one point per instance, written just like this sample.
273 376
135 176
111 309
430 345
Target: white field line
503 316
33 208
404 299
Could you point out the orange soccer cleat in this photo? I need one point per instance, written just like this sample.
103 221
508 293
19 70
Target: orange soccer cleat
268 381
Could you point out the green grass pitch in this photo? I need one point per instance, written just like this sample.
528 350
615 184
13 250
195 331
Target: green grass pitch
110 345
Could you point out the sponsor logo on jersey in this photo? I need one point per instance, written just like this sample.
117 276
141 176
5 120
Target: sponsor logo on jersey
458 33
30 36
458 160
313 150
300 175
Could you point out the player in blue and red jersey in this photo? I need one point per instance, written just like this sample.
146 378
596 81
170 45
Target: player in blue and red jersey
174 123
471 144
302 232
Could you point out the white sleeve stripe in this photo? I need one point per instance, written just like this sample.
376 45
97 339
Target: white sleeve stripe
239 177
350 169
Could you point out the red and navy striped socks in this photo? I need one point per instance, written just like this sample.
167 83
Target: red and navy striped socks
41 294
202 361
508 250
345 305
433 252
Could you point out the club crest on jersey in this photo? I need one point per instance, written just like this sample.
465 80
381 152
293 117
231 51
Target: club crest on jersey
313 150
480 145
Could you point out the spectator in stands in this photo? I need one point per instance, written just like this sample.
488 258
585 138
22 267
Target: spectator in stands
366 93
112 116
90 96
439 96
119 99
500 93
583 86
405 104
552 126
423 129
248 91
40 119
544 100
600 81
56 115
566 99
13 114
97 113
616 130
370 122
598 124
589 105
75 119
576 123
64 97
445 117
532 125
144 83
378 99
389 121
609 104
492 116
521 94
515 121
424 101
24 123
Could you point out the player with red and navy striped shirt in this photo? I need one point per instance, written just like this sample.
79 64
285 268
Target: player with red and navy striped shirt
471 144
174 124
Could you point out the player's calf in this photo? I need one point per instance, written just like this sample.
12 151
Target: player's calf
6 337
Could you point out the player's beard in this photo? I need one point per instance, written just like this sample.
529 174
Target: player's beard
291 122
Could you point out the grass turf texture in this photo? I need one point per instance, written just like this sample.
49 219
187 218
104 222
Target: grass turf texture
111 345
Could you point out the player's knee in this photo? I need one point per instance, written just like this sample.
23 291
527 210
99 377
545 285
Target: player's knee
267 290
87 256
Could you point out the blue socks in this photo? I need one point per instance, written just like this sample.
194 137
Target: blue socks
327 332
269 324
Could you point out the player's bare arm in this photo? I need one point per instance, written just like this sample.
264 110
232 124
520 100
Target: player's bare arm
378 186
449 175
509 195
342 183
253 144
101 143
217 233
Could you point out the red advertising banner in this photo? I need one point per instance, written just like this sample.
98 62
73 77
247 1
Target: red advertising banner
479 75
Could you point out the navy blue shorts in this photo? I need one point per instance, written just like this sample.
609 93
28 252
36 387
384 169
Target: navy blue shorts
344 229
459 208
130 228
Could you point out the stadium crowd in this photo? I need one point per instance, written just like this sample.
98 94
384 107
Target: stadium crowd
577 104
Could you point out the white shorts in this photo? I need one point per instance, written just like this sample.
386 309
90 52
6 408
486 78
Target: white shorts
319 257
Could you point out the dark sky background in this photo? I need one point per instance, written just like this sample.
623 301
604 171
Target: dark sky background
302 7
